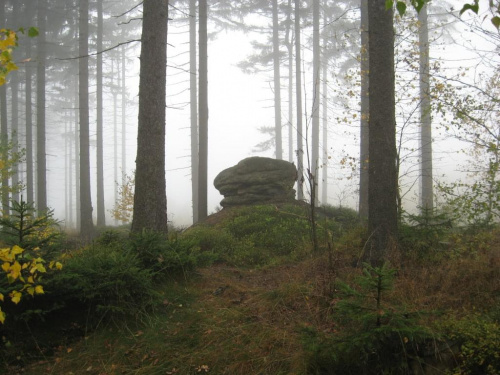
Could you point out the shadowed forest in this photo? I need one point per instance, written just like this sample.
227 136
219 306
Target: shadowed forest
357 234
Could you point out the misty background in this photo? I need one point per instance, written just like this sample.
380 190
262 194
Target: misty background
240 103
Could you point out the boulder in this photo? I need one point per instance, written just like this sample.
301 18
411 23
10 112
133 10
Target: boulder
257 180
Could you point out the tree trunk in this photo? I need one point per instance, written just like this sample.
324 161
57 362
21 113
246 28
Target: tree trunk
124 116
87 226
289 45
277 82
77 160
298 91
203 113
4 133
427 198
193 90
316 102
364 126
29 111
101 213
382 188
150 200
324 177
41 160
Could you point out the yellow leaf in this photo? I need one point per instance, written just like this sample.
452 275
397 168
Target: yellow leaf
2 316
15 270
39 289
16 250
15 296
31 280
6 267
1 297
59 265
30 290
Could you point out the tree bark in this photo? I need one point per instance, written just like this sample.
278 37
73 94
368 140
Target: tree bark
29 110
193 90
150 201
427 196
203 113
316 103
382 188
298 93
86 224
364 126
41 161
277 82
101 213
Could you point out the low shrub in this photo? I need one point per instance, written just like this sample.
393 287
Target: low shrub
164 256
105 279
371 335
478 339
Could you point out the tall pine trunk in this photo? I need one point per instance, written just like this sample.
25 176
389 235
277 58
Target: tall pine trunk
316 104
289 46
86 224
277 82
427 197
101 213
150 200
4 132
193 91
41 158
364 126
298 91
29 109
324 177
203 113
382 188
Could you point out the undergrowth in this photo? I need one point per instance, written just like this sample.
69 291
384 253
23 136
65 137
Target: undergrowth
246 295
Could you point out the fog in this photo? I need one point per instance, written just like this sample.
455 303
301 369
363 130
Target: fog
239 104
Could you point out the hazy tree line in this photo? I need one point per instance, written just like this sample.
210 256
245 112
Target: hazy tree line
338 38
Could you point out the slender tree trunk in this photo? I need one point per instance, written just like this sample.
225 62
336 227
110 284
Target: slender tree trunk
382 189
364 126
29 111
14 131
101 213
14 86
87 226
150 199
4 132
4 146
277 82
114 73
298 91
77 159
289 46
316 101
41 182
324 177
193 89
427 197
203 112
124 116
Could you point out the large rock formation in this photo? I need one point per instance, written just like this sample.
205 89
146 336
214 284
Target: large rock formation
257 180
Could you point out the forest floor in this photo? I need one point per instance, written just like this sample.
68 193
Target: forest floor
224 319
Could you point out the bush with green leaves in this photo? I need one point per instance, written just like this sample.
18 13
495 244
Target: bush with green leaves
371 334
478 339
